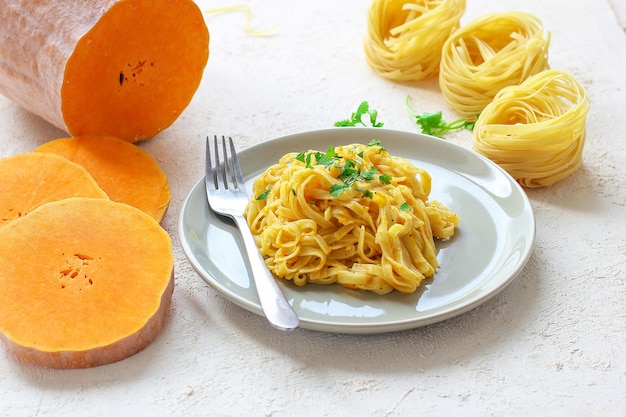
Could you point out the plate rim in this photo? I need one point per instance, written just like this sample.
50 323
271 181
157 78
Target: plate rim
377 327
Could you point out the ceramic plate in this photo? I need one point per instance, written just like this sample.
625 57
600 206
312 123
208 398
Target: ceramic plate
492 244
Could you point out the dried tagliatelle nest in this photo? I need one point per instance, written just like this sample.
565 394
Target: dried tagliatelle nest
492 52
536 130
404 38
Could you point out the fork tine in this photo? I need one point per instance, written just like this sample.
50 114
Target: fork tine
222 171
209 171
219 165
226 169
221 168
238 176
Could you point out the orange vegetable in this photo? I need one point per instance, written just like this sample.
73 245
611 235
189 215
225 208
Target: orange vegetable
105 67
93 287
124 171
34 178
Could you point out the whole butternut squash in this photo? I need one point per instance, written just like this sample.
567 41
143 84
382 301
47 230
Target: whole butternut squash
93 287
124 68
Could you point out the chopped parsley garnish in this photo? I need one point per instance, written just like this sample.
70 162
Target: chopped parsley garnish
337 189
405 206
367 193
433 123
327 158
264 194
369 174
376 142
350 174
350 170
301 156
357 117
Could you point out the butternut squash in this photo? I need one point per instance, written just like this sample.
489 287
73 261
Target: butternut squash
93 287
34 178
124 171
124 68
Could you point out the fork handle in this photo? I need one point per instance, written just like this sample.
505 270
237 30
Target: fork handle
277 309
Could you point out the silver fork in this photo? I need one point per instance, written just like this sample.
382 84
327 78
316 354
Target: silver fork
226 192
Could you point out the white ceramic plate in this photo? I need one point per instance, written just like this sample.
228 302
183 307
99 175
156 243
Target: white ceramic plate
493 242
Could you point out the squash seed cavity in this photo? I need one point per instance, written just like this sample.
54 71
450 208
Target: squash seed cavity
75 275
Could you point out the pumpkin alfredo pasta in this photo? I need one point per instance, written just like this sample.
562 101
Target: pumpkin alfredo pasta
354 215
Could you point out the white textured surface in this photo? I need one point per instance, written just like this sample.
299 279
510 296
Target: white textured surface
552 343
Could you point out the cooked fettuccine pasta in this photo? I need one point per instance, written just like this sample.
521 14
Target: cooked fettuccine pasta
354 215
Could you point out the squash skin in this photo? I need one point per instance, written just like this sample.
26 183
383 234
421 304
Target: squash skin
124 171
124 68
34 178
114 352
51 318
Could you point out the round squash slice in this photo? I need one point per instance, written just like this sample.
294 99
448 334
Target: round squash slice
32 179
92 285
124 171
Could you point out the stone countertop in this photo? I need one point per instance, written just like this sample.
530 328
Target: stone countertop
551 343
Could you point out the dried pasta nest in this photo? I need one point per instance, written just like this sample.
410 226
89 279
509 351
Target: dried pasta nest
492 52
404 38
536 130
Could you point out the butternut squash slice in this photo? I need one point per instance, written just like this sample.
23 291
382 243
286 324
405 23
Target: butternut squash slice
93 287
34 178
124 171
105 67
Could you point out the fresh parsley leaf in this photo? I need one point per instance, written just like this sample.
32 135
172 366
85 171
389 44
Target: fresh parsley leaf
373 116
470 125
405 206
369 174
376 142
385 178
337 189
264 194
367 193
305 158
348 172
357 117
328 158
434 124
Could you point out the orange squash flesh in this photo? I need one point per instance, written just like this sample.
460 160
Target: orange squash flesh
124 171
34 178
94 285
105 67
